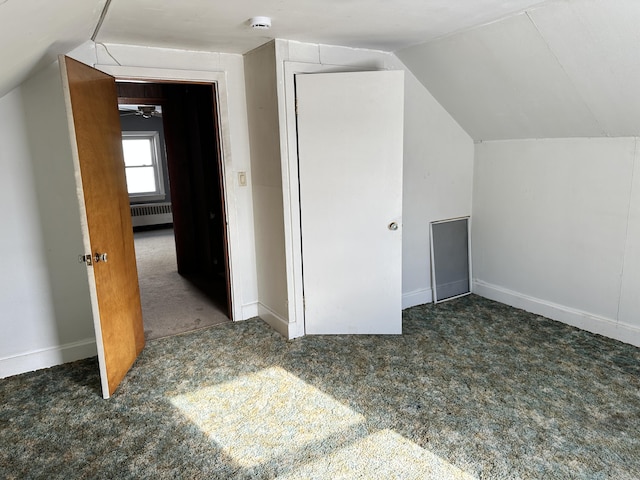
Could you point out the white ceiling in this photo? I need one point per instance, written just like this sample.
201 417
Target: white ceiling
568 68
33 32
221 26
503 68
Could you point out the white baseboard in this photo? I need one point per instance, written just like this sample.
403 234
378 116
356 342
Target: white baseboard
47 357
249 310
417 297
577 318
275 321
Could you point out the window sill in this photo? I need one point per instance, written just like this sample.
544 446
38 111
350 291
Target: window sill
146 198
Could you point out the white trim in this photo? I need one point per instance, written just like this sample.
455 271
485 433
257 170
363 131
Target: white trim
229 185
47 357
417 297
153 136
452 219
249 310
274 320
584 320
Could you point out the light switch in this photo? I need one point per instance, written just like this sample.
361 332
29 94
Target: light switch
242 179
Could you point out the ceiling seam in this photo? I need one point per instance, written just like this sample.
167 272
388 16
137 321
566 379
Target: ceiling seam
566 74
101 20
471 28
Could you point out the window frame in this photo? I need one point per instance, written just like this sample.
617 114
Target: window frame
156 162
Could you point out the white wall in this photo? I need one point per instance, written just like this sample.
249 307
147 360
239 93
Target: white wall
555 222
25 301
560 69
262 111
437 176
629 311
438 179
438 164
166 63
44 312
555 230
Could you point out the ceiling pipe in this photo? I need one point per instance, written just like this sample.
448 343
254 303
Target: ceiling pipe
100 20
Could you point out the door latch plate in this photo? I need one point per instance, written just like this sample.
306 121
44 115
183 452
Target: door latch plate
88 259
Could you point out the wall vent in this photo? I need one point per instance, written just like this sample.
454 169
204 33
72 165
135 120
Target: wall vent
151 214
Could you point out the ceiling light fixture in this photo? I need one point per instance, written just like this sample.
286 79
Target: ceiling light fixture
260 23
147 111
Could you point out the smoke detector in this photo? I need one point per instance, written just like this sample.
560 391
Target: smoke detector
260 23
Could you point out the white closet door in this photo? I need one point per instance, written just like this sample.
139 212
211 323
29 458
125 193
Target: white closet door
350 137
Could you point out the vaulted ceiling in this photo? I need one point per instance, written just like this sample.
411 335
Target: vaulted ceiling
502 68
33 32
222 26
567 68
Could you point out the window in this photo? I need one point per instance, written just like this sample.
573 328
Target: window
142 164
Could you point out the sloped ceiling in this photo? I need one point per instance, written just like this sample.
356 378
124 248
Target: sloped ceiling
33 32
567 68
555 68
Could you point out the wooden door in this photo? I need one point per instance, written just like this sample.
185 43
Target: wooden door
350 138
96 139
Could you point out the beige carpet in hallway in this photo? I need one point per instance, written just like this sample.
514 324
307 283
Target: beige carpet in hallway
170 303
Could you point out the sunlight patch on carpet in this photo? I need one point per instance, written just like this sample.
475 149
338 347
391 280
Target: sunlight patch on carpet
259 417
383 454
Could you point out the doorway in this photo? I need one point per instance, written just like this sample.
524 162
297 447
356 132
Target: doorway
183 258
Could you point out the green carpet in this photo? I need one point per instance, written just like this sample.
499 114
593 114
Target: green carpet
473 389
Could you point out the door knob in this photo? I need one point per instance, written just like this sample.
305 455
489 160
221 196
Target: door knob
393 226
100 257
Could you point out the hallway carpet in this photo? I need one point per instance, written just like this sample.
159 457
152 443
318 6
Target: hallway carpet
170 303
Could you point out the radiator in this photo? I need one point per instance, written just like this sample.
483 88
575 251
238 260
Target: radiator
151 214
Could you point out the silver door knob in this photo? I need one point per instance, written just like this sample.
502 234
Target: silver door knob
393 226
100 257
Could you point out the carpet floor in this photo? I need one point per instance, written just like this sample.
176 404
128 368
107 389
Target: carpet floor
472 389
171 304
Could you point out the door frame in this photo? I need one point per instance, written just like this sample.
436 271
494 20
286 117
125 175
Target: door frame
291 189
230 194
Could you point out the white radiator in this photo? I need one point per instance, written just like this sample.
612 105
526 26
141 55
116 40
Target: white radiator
151 214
